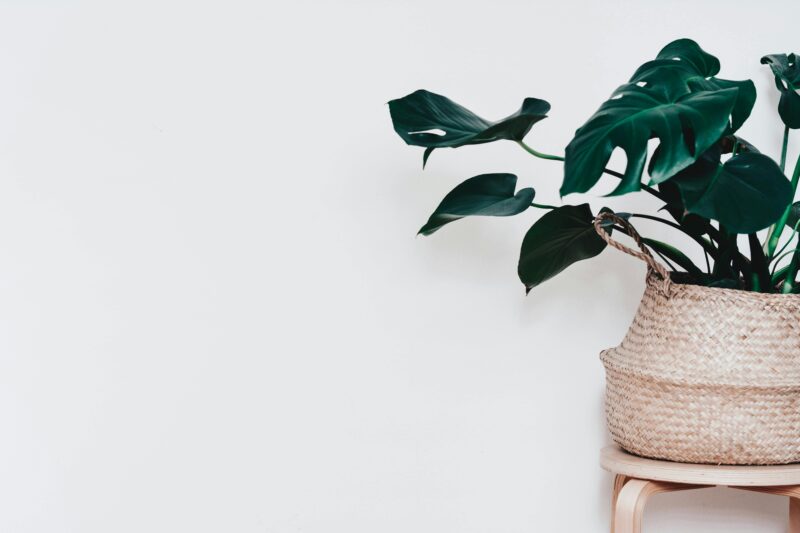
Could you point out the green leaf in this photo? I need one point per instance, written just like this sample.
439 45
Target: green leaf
673 98
431 120
745 194
745 97
688 51
673 254
629 119
555 241
794 215
742 145
682 67
725 266
725 283
483 195
780 275
759 276
787 80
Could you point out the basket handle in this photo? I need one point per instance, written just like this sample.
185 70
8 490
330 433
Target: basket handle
653 266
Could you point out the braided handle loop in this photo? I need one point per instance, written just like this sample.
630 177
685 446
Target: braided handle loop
653 266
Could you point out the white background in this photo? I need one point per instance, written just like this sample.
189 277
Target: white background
215 315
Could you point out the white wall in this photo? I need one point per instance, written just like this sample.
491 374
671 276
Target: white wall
214 314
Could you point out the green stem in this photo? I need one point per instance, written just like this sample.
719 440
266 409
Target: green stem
662 220
778 259
791 272
667 261
543 206
789 240
774 235
551 157
784 147
707 246
717 236
538 154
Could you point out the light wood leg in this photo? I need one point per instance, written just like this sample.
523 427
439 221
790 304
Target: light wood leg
619 482
630 506
793 492
794 515
631 499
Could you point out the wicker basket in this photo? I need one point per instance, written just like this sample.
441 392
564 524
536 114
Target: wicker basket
705 375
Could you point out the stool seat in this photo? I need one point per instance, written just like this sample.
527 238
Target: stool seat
618 461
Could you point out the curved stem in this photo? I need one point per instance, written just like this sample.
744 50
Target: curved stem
794 232
776 229
608 171
538 154
778 258
791 272
667 261
659 219
543 206
784 147
708 248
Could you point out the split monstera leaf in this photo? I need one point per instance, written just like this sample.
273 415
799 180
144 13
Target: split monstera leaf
713 184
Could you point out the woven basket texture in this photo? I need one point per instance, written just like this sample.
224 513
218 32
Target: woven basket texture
707 375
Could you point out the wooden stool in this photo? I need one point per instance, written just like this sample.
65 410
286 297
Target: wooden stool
638 478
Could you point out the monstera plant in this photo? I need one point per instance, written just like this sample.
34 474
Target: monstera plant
714 185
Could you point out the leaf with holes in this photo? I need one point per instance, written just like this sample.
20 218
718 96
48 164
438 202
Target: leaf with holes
484 195
745 194
560 238
673 98
787 80
431 120
683 67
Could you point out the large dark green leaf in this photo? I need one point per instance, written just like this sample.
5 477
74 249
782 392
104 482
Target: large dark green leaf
745 194
682 67
674 65
686 126
431 120
745 96
483 195
787 79
674 98
688 51
558 239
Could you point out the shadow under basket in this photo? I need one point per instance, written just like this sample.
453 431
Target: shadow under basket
705 375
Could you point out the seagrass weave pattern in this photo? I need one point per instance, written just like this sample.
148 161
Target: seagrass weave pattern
705 375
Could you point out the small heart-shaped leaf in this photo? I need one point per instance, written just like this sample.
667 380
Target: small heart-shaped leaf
483 195
561 237
787 80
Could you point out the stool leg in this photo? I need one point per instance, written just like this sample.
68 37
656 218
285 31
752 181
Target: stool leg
630 506
793 492
619 482
632 498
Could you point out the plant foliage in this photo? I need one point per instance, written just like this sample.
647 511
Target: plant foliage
714 185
